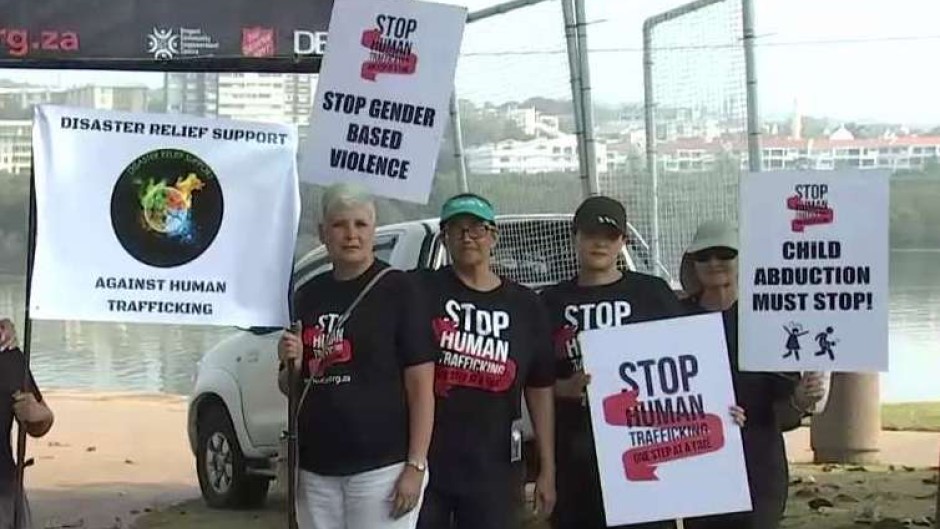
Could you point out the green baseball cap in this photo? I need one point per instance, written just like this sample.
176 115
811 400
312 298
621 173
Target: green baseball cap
468 204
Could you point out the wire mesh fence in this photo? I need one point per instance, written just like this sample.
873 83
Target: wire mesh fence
517 119
699 125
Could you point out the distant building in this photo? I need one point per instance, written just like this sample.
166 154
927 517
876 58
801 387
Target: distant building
894 153
541 155
15 146
534 123
125 98
265 97
23 98
128 98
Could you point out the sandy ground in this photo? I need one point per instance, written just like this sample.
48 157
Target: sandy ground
109 457
112 457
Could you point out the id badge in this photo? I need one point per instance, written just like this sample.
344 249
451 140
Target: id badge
516 450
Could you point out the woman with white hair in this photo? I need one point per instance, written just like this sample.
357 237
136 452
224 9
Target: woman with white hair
367 406
709 275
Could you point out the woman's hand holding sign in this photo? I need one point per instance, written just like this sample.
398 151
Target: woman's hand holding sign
809 391
738 415
573 386
7 335
289 348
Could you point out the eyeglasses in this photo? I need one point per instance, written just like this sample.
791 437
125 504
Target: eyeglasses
722 254
475 231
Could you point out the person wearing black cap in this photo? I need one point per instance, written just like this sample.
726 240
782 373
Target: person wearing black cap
492 338
600 295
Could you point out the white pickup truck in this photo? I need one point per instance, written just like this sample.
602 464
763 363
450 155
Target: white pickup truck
237 415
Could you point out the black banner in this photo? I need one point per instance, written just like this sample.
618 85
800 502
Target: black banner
165 35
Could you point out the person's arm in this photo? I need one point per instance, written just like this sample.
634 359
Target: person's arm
782 387
541 404
416 353
32 411
419 390
7 335
414 342
540 400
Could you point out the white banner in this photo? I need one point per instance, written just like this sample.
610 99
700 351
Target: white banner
156 218
383 96
814 271
660 396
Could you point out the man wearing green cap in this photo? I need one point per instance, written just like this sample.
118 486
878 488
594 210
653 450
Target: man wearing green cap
493 342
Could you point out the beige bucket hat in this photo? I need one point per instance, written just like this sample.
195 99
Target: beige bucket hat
710 234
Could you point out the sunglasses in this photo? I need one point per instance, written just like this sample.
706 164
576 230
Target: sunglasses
475 231
722 254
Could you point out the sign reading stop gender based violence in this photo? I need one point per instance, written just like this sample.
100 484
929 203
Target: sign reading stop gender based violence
383 96
814 271
660 395
154 218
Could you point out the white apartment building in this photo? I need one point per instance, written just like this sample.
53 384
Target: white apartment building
534 123
266 97
128 98
541 155
15 146
893 153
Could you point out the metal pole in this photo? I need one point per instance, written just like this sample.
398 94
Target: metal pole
750 67
571 40
587 104
19 493
649 107
650 112
936 516
459 158
500 9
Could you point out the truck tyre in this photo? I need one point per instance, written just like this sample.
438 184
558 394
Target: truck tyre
220 464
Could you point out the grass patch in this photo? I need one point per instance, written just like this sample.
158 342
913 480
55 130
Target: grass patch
912 416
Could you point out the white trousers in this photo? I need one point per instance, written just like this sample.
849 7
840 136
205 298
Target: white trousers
360 501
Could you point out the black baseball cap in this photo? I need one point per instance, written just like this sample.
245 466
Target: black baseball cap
600 211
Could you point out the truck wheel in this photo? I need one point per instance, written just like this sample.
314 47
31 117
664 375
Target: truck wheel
220 465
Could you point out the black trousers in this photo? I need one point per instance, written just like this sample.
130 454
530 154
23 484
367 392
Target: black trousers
481 508
580 502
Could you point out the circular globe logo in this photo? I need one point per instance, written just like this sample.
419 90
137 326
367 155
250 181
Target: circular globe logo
166 208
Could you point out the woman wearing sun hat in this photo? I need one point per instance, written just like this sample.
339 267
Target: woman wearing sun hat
773 401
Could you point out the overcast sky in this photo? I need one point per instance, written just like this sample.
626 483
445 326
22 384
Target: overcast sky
846 59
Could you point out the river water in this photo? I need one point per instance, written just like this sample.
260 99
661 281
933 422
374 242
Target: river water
152 358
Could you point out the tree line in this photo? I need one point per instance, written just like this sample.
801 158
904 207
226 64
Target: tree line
914 212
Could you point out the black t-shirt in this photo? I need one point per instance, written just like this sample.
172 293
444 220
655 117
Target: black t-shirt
572 308
12 366
355 415
490 346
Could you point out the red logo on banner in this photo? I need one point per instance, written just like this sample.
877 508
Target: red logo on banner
388 55
321 355
258 42
696 435
469 372
811 206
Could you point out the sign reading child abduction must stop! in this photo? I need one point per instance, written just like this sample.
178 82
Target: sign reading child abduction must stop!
383 96
814 271
660 396
158 218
